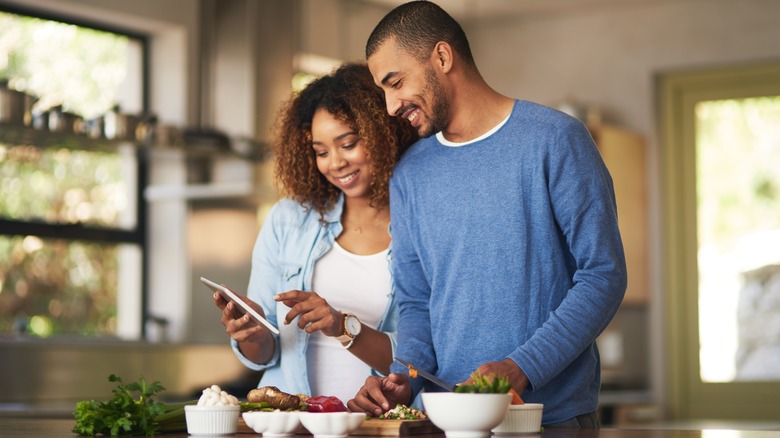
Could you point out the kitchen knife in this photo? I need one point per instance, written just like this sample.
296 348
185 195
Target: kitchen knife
426 375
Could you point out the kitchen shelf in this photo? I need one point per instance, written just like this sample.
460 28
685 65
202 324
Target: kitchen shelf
222 190
13 134
621 397
26 136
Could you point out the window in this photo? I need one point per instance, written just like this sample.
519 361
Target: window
721 195
72 231
739 238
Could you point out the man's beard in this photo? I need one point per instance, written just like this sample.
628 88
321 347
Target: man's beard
439 107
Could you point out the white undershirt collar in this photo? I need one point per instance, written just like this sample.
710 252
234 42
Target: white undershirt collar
445 142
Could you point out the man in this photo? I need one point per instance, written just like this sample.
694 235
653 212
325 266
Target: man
506 252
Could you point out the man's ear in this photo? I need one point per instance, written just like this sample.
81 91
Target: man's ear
442 56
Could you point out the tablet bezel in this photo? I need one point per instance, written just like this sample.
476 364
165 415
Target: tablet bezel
230 296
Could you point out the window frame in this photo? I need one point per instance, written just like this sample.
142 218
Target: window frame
80 232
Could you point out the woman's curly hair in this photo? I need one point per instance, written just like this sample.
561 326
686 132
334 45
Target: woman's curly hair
350 95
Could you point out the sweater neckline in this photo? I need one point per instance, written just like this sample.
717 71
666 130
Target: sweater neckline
445 142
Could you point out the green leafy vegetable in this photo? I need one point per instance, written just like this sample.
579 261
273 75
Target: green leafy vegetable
126 415
403 412
486 385
255 406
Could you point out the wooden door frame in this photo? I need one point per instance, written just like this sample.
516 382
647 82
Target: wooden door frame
678 93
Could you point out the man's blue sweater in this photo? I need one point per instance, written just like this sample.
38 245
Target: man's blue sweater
508 247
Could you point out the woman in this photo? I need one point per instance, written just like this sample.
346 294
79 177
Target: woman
320 267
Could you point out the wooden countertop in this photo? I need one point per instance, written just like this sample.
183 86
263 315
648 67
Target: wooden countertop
42 428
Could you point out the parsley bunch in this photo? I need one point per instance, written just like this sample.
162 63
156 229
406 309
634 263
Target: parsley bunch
123 415
486 385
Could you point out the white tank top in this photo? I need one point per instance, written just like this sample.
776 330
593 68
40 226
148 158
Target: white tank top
350 283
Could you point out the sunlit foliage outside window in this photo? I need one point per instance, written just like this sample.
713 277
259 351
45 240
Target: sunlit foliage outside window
53 286
738 231
61 185
76 67
57 287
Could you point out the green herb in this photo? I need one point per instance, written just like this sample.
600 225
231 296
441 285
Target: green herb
255 406
486 385
402 412
126 415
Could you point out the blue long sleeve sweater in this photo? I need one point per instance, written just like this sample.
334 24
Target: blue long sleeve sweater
508 247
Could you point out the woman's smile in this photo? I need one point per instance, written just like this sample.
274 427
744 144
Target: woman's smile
348 178
340 155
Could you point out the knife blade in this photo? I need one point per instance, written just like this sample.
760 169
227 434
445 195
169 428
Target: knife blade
426 375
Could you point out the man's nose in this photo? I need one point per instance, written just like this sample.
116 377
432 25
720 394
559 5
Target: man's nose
394 105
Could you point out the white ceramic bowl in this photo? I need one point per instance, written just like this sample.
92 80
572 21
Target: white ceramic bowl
521 419
211 420
273 423
331 424
465 415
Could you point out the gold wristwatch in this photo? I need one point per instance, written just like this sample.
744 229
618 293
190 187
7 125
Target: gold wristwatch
352 327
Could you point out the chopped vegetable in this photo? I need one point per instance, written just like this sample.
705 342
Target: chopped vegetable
325 403
516 400
255 406
402 412
484 384
276 398
124 415
215 396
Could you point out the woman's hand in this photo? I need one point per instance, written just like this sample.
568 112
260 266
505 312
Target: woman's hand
239 326
315 313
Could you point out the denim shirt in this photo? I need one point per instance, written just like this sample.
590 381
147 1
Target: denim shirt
290 242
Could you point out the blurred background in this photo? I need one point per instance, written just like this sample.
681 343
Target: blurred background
134 159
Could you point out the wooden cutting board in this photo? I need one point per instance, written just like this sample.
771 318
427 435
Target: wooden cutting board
375 427
401 428
242 427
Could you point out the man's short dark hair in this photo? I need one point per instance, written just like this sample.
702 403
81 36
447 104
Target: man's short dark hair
417 26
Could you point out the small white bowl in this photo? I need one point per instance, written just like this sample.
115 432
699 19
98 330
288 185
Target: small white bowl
211 420
331 424
273 423
465 415
524 418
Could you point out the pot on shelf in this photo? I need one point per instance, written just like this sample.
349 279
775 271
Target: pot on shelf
12 105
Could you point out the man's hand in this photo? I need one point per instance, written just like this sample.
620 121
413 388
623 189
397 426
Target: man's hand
507 368
380 394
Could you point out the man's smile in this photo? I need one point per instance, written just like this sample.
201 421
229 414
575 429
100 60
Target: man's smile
412 115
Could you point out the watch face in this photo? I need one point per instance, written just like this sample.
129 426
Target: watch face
353 325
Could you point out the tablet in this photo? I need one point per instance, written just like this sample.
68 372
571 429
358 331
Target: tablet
228 295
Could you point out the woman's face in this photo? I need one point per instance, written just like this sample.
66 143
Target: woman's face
341 157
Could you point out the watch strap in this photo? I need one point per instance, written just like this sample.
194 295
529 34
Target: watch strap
346 336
